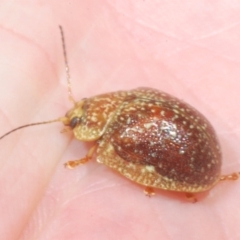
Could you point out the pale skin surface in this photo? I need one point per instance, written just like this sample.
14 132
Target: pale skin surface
190 50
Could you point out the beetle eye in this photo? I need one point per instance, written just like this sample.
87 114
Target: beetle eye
74 122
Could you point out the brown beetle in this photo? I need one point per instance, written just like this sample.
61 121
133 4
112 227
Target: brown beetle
149 137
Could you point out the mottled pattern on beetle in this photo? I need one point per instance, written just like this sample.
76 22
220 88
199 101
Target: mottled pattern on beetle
97 113
143 174
174 140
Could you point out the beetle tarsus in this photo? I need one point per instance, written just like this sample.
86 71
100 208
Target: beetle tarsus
75 163
232 176
149 191
191 197
66 130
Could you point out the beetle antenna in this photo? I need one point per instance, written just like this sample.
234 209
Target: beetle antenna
70 95
32 124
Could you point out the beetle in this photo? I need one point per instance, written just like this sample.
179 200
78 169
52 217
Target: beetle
149 137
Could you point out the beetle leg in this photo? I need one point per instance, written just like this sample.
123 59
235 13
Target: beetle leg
66 130
75 163
149 191
191 197
232 176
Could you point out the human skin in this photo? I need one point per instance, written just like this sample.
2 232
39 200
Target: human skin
189 49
